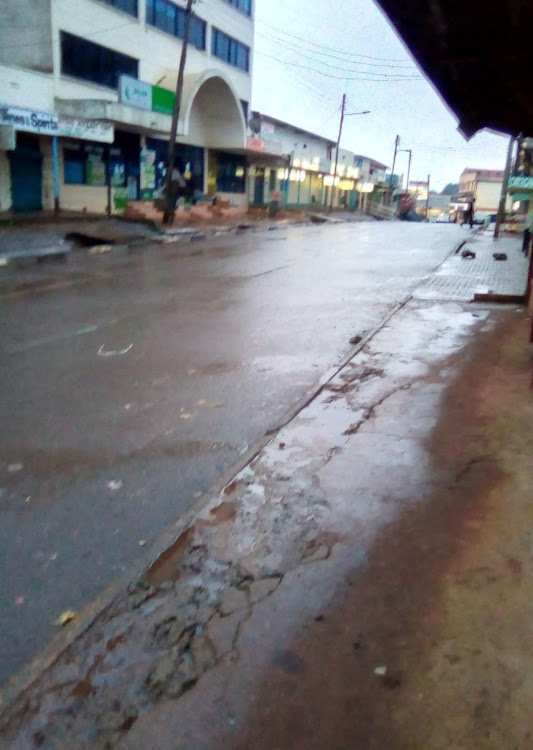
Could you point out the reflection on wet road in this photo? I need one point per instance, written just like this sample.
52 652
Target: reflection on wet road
126 395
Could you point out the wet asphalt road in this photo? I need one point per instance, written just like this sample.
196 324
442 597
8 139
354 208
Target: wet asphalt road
127 389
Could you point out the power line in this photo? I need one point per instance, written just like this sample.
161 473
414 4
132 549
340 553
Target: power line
332 49
350 70
297 47
387 79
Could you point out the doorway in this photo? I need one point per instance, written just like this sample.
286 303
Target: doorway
259 186
26 167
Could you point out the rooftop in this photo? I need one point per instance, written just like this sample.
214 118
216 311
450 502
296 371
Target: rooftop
296 129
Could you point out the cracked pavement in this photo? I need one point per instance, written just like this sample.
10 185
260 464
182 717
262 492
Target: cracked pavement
346 467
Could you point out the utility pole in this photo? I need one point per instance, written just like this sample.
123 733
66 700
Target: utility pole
396 144
343 115
343 111
409 151
505 186
168 216
427 199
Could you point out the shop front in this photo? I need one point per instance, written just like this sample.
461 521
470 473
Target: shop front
208 153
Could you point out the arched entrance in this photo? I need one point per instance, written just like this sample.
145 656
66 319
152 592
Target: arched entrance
212 118
215 117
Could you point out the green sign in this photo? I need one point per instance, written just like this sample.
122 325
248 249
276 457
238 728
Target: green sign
143 95
521 181
162 100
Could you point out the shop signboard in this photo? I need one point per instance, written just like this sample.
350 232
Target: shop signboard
46 123
162 100
135 93
254 144
143 95
28 120
88 130
523 182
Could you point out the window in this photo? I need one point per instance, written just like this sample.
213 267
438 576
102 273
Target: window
231 173
92 62
89 163
272 184
85 164
230 50
244 5
165 16
128 6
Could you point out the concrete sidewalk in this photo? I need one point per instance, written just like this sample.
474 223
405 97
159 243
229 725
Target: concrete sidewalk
462 279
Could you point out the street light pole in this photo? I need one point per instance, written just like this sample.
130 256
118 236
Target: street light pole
343 112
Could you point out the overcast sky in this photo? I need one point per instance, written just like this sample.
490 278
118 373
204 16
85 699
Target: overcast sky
308 52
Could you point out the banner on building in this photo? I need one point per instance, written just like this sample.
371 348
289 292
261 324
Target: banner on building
29 120
87 130
46 123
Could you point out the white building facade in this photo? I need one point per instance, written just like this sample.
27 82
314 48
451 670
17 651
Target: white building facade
296 168
88 88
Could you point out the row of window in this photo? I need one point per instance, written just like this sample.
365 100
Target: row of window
164 15
81 58
132 6
244 5
128 6
230 50
89 61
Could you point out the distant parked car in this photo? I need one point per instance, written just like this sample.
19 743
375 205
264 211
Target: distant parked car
443 218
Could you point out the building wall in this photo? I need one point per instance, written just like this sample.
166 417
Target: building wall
291 140
48 172
157 51
5 183
26 34
26 88
487 196
467 182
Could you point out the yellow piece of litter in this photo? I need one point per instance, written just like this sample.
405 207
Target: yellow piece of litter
65 617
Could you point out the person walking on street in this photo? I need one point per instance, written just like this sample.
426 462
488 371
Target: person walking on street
468 217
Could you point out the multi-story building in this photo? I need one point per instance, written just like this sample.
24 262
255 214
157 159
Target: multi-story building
484 186
87 86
